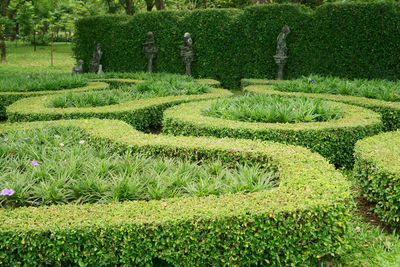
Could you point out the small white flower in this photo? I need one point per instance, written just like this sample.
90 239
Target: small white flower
61 145
358 229
82 142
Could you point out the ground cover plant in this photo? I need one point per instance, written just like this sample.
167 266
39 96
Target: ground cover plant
375 89
280 109
148 89
60 165
40 82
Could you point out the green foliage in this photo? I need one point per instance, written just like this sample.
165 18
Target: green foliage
310 205
7 98
279 109
37 82
143 114
333 139
377 170
149 89
390 111
72 169
344 40
375 89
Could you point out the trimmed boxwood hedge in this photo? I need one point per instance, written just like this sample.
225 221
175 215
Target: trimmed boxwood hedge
7 98
143 114
377 169
353 40
390 111
297 223
333 139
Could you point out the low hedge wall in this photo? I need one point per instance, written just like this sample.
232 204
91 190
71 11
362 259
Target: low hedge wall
333 139
377 169
390 111
143 114
7 98
297 223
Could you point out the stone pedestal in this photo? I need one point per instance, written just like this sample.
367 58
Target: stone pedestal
281 62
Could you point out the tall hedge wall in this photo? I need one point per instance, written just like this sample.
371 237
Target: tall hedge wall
346 40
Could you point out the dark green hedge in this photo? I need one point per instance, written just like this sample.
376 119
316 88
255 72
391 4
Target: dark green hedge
143 114
7 98
332 139
346 40
390 111
310 206
377 169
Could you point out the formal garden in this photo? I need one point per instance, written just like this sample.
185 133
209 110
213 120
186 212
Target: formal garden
229 134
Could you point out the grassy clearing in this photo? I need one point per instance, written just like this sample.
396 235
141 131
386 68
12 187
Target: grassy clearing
376 89
273 109
58 166
149 89
22 59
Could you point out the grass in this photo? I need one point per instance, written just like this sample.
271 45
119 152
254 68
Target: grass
376 89
59 165
150 89
273 109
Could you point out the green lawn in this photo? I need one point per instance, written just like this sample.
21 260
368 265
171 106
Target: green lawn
23 59
368 245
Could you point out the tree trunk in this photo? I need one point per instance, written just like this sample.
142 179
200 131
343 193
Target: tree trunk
127 4
160 4
149 5
2 48
52 35
34 41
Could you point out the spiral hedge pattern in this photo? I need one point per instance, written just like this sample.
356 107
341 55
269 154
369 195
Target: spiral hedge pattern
297 223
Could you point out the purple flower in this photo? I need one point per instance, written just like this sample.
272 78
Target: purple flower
208 108
44 130
7 192
5 140
35 163
313 81
309 79
26 138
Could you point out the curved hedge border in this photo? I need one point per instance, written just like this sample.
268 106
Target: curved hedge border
209 82
333 139
390 111
7 98
143 114
377 168
299 222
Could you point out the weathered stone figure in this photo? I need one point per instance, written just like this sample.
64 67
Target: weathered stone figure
187 53
150 51
281 51
78 69
95 62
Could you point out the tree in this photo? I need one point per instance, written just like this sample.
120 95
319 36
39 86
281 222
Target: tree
128 6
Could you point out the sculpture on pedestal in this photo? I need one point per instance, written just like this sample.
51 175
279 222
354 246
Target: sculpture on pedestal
95 65
150 51
281 51
78 69
187 52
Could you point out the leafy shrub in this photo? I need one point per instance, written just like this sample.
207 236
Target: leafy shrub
377 170
333 139
264 108
390 111
36 82
375 89
144 90
229 44
311 205
70 169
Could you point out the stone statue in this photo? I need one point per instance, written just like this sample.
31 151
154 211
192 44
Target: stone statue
281 51
95 62
150 51
78 69
187 53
